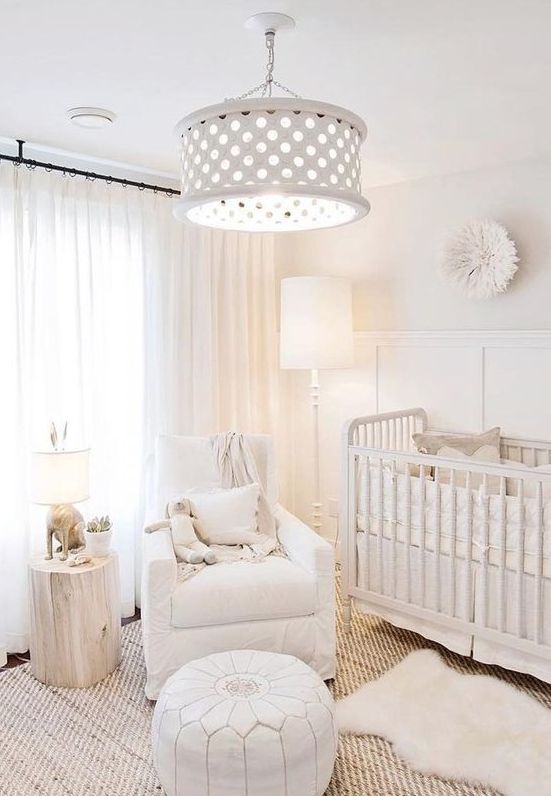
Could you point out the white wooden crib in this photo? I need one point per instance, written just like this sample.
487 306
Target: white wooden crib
459 552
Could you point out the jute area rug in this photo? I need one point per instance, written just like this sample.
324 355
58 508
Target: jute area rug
96 741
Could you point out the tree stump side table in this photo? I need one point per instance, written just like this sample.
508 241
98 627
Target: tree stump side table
75 621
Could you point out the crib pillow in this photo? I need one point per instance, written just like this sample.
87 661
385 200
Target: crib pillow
471 445
530 487
486 453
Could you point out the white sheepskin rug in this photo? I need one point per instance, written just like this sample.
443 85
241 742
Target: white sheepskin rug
457 726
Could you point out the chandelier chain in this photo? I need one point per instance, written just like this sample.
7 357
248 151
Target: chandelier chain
266 87
286 90
270 37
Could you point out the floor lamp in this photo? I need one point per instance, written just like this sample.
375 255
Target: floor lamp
316 334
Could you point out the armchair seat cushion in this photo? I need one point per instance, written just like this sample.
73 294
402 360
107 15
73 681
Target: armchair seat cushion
244 591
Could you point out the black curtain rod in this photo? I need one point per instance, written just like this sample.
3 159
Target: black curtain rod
20 160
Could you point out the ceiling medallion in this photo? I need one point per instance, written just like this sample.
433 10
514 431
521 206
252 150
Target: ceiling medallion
271 164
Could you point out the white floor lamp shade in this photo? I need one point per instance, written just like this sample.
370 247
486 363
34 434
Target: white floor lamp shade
316 323
316 334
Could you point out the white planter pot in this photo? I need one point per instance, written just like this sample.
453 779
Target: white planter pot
98 544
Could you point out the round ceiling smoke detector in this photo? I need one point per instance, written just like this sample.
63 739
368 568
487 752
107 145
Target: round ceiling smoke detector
263 163
91 118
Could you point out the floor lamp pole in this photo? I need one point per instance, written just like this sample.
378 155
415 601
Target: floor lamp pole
316 502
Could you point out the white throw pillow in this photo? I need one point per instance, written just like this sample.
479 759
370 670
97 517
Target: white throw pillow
543 468
486 453
228 516
530 487
512 483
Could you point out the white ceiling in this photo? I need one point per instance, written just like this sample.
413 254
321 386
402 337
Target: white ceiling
443 85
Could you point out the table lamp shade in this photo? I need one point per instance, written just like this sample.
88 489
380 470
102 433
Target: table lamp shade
60 477
316 323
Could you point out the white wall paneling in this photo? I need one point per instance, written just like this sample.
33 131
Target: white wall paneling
466 380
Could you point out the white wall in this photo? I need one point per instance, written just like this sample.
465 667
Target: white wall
392 255
496 373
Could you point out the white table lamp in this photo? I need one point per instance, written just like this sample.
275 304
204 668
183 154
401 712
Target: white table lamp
59 479
316 334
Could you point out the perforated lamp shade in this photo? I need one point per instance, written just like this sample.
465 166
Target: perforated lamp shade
316 323
60 477
271 165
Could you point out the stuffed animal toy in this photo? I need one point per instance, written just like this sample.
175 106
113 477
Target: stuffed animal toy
185 530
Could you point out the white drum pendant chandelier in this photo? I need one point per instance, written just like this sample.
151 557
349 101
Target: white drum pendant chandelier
271 164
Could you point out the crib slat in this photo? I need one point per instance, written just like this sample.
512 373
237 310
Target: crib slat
393 525
422 532
538 564
453 537
408 533
351 527
485 555
502 616
520 559
380 530
438 539
368 515
469 551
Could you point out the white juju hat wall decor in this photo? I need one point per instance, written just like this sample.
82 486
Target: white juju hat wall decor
271 164
480 260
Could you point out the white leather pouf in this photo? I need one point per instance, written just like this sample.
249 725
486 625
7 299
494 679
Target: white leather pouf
245 723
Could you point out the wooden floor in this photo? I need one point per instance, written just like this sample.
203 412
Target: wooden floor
21 658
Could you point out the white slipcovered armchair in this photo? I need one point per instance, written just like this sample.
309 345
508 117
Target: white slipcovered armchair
280 604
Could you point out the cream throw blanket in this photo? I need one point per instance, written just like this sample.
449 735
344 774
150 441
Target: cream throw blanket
237 467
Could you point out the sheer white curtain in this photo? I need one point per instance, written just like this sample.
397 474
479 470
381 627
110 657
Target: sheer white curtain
125 323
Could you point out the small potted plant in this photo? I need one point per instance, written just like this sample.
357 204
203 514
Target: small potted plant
98 533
